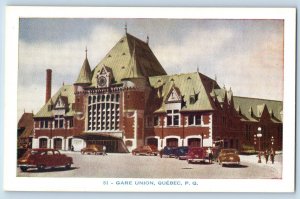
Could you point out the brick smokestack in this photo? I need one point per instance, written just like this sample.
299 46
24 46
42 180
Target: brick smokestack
48 84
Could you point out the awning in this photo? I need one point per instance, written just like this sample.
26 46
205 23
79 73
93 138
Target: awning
97 136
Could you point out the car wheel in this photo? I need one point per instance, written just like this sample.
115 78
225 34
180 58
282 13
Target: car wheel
68 166
24 169
41 167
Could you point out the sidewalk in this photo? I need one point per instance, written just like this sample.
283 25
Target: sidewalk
277 166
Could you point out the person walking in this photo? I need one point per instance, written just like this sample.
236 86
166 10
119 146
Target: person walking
104 150
272 155
210 155
266 155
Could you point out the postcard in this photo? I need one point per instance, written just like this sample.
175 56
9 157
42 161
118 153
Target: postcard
148 99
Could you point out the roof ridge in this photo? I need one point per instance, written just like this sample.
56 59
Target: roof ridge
127 34
257 98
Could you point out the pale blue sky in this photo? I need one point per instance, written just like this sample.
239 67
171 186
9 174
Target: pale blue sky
246 55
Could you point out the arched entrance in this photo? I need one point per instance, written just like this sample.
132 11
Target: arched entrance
194 142
172 142
57 143
43 142
112 144
152 141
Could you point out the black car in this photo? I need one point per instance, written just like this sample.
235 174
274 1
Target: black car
168 152
181 152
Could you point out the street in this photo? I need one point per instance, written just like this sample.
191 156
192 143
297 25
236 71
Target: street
116 165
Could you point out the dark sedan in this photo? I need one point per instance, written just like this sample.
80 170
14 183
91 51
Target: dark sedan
181 152
44 158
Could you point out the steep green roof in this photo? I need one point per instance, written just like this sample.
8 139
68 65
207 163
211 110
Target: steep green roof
190 84
67 92
130 57
85 74
256 106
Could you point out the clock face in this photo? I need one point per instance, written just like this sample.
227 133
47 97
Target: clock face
102 81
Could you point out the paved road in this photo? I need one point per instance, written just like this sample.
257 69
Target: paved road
129 166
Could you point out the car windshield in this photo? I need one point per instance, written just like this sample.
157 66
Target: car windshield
183 150
229 151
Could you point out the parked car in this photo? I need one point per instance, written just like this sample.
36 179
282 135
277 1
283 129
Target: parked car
181 152
145 150
229 157
196 154
93 149
168 152
44 158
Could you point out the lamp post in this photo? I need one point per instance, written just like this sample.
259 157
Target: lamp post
259 135
272 141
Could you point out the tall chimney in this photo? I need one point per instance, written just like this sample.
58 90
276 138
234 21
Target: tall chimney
48 84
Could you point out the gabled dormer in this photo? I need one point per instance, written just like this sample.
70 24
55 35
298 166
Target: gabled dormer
104 77
174 95
264 113
60 103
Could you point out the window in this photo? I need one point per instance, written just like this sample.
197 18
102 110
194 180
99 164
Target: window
194 119
173 117
156 120
70 123
104 113
44 124
58 121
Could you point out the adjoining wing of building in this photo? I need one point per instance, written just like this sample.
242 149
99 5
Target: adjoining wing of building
128 100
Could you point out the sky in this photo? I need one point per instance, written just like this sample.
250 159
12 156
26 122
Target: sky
244 55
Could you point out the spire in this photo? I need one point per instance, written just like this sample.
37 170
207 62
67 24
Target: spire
86 52
85 74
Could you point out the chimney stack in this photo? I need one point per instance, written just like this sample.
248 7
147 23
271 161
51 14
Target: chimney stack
48 84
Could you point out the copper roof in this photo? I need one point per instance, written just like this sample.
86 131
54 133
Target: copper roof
130 57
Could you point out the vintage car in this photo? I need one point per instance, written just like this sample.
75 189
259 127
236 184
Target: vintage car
229 157
44 158
196 154
145 150
181 152
93 149
168 152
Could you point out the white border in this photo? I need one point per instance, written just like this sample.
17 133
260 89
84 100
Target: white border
11 182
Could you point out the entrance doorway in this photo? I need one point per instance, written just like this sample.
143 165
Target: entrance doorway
194 142
152 141
172 142
43 143
58 143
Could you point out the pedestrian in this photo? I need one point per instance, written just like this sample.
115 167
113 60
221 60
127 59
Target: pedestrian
259 157
72 148
272 155
266 155
104 150
210 155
